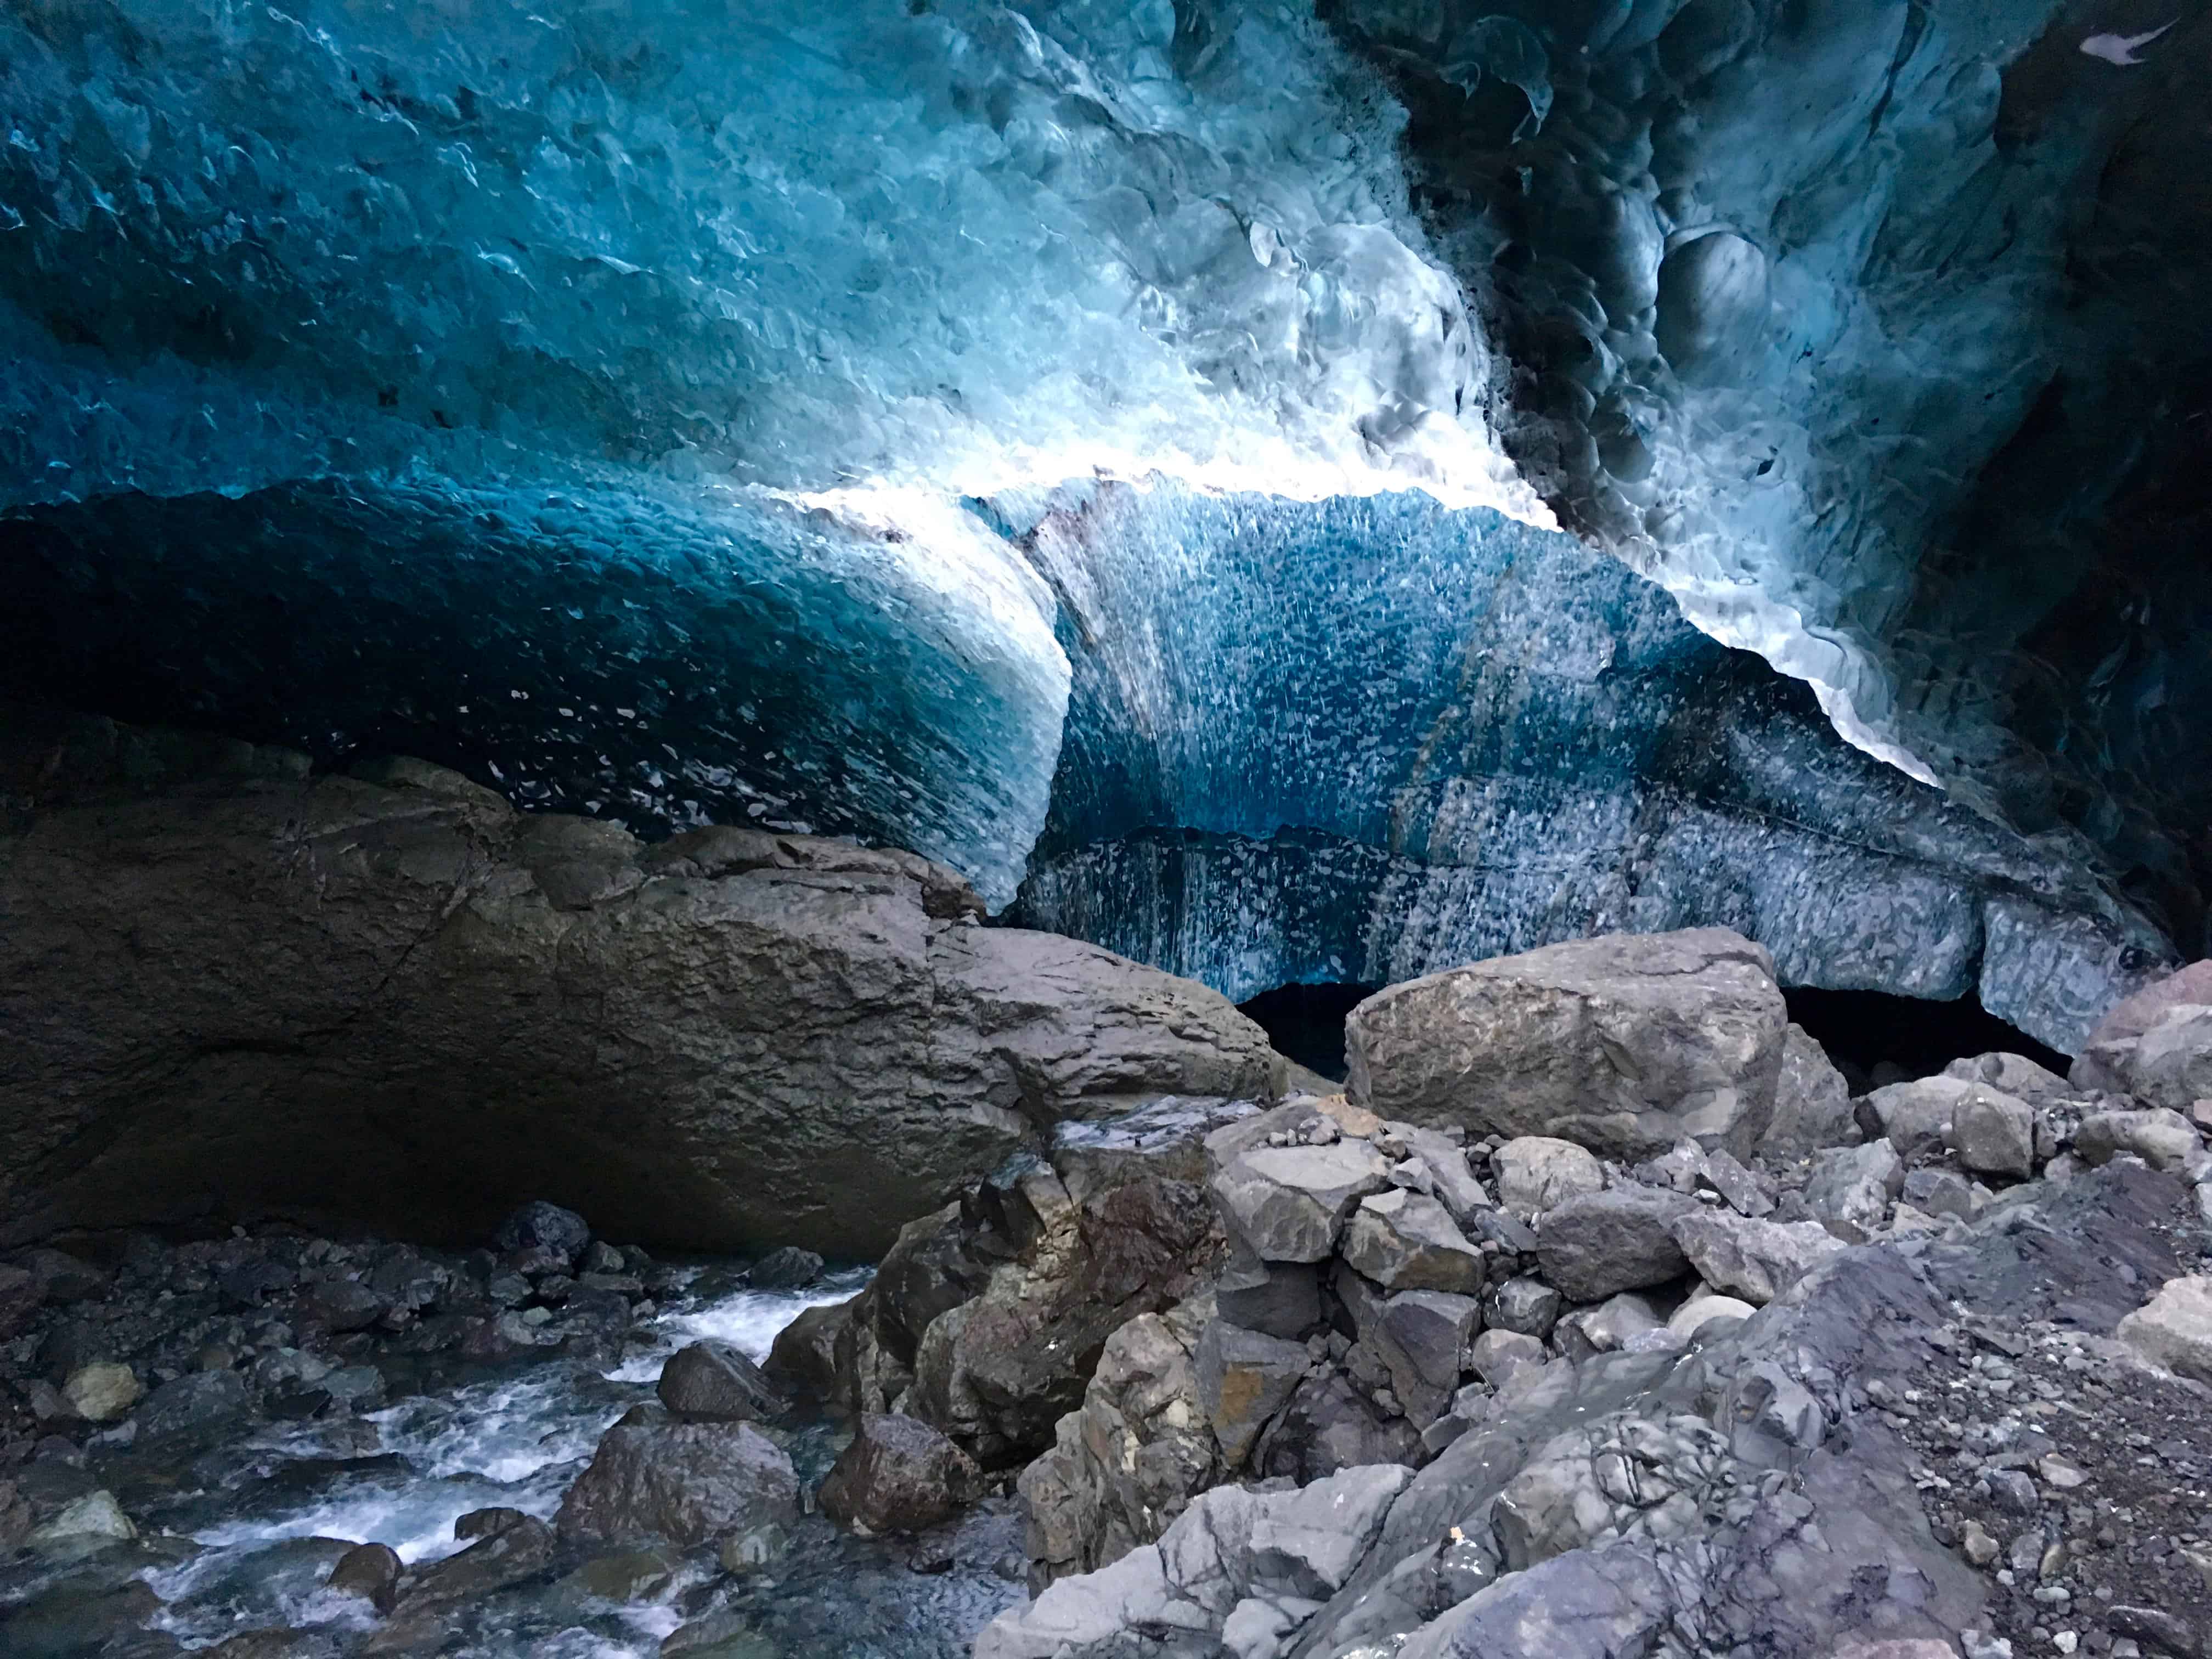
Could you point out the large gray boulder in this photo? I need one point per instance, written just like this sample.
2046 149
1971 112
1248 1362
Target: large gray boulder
1243 1377
2174 1330
1754 1260
398 1002
2016 1075
1811 1102
1131 1460
986 1318
1330 1425
717 1382
1994 1133
1915 1117
1536 1172
1602 1243
1229 1550
2102 1060
1626 1043
2162 1139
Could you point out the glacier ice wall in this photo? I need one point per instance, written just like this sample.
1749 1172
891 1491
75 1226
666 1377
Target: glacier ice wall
1877 332
1368 738
510 365
958 243
690 408
592 647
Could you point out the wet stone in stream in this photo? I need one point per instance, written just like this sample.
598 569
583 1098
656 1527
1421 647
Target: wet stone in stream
194 1441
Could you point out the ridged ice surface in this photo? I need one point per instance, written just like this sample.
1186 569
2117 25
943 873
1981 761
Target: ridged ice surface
1363 741
605 645
721 240
657 409
582 393
1873 329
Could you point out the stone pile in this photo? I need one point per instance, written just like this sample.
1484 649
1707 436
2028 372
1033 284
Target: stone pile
989 1316
1398 1290
1739 1495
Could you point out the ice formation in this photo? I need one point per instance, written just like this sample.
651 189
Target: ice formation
1875 331
958 244
502 361
694 409
1363 741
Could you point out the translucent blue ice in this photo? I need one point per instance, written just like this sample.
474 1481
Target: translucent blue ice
1362 740
721 409
955 243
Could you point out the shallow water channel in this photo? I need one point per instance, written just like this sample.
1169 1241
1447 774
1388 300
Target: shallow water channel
242 1538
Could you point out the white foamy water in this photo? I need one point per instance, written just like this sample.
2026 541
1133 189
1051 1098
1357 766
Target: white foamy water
751 1322
516 1443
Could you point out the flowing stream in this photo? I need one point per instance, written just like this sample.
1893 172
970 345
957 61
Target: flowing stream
269 1512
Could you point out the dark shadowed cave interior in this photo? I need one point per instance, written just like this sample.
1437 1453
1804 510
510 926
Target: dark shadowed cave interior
1106 829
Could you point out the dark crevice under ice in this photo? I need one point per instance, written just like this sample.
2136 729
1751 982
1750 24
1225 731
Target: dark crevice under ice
1304 1023
1866 1031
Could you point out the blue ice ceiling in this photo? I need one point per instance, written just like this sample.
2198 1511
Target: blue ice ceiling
1122 444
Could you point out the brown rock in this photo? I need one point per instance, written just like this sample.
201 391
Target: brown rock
715 1383
370 1571
898 1475
434 1008
686 1482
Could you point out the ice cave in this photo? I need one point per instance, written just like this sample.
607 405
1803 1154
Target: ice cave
1106 828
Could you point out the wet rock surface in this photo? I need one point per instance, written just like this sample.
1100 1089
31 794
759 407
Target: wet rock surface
689 1483
899 1474
389 1001
255 1498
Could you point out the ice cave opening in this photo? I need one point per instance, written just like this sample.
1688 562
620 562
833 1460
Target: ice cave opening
1876 1038
1305 1022
667 668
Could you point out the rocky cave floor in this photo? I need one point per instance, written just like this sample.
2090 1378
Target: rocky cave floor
2096 1523
1920 1372
278 1380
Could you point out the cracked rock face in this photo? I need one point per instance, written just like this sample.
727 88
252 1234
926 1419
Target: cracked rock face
401 1001
1762 1492
1626 1043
